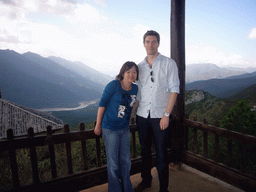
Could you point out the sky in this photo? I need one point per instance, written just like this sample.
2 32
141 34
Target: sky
104 34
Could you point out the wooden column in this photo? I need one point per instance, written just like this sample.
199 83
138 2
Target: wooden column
178 55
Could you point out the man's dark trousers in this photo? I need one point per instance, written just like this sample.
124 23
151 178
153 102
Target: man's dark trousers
149 130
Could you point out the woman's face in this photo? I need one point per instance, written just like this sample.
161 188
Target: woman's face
130 75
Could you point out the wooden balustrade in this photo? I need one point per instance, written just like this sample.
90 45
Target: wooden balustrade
239 178
11 144
91 176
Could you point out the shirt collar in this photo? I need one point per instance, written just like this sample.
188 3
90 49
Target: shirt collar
157 58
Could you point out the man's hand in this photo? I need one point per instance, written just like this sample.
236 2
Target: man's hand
164 122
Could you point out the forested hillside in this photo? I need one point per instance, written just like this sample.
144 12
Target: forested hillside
212 108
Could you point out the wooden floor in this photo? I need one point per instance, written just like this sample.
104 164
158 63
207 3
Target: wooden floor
185 179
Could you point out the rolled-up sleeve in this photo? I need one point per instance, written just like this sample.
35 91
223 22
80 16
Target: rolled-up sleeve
173 80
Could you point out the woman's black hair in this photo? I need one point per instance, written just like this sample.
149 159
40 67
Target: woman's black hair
126 66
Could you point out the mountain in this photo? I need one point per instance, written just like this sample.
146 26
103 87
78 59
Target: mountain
247 69
246 75
248 94
203 105
196 72
37 82
60 75
83 70
223 88
196 96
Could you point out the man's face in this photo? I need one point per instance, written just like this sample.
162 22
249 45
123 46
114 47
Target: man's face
151 45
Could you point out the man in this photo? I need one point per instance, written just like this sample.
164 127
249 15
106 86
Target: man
158 84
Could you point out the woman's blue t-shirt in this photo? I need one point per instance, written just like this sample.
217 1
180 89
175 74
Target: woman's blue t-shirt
118 105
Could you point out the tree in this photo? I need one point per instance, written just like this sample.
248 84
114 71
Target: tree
241 115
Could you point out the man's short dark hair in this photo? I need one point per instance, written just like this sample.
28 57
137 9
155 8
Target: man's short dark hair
151 33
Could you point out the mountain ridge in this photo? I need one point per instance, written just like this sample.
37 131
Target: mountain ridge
206 71
83 70
223 88
35 84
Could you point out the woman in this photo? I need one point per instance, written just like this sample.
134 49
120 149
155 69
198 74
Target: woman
113 118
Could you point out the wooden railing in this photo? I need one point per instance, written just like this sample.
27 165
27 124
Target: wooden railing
223 170
92 176
86 178
20 119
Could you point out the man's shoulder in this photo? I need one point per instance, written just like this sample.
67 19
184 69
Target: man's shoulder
142 62
166 58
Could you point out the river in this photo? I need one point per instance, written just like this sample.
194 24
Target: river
81 106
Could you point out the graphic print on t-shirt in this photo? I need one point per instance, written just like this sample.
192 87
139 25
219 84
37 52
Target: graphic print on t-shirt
126 105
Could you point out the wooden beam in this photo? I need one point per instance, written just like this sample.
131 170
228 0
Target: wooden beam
178 50
178 55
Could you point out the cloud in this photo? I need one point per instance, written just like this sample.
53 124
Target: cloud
84 14
252 34
9 39
8 2
47 6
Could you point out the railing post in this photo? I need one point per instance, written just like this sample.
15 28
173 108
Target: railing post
98 150
186 133
195 136
68 151
205 140
229 146
84 148
243 147
13 159
33 157
51 151
217 144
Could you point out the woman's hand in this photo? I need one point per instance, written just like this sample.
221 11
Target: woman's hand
97 130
